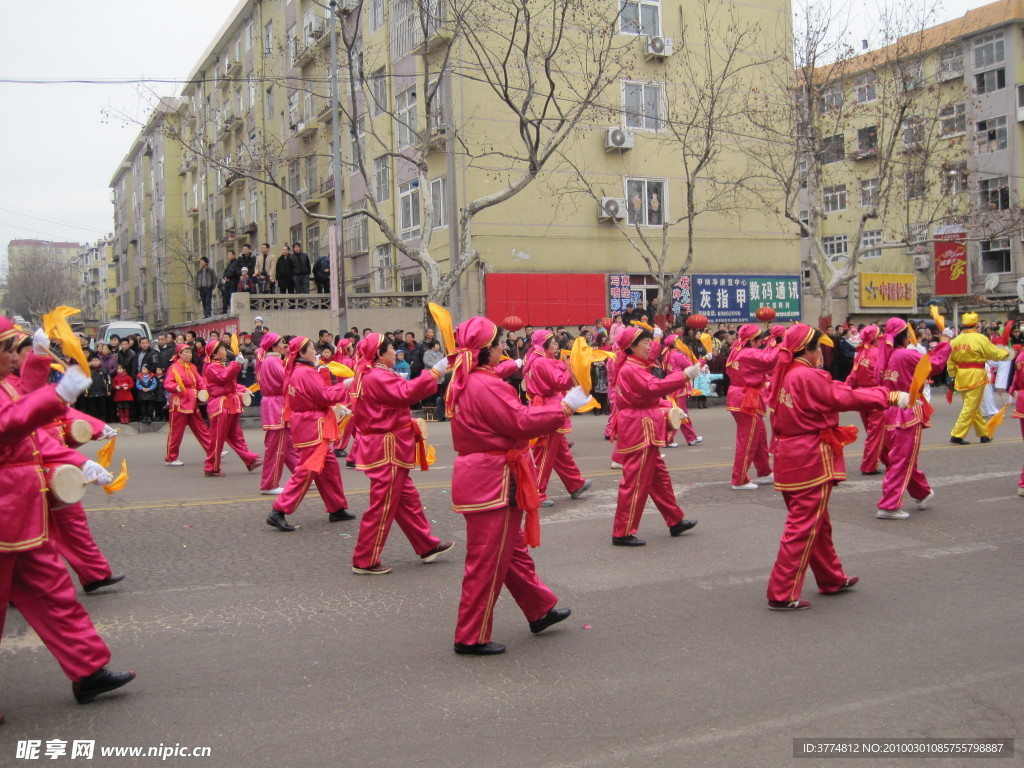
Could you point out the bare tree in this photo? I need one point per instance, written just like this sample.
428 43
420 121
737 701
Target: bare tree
37 285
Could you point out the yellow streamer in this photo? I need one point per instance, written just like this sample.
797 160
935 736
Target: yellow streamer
119 481
55 325
106 453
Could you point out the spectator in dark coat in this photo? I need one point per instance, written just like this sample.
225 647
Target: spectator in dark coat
301 268
283 272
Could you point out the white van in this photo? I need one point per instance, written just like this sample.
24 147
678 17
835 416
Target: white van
123 328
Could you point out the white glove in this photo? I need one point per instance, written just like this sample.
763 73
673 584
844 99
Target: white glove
576 398
40 342
948 333
348 382
903 400
108 432
692 372
74 383
441 365
658 333
343 412
94 473
240 360
519 363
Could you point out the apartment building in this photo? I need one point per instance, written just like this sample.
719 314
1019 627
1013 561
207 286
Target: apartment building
97 280
949 222
257 107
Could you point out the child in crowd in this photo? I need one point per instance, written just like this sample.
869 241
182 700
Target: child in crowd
97 400
402 367
146 384
162 398
123 398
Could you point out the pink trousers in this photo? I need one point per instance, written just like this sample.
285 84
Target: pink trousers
393 498
227 430
751 447
644 475
903 474
496 555
328 484
552 453
278 453
37 584
806 541
193 421
874 440
75 544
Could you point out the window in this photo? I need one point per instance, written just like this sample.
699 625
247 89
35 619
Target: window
312 184
832 149
641 103
242 220
294 118
994 193
409 209
954 179
869 192
239 103
268 104
295 234
438 196
834 198
379 91
250 34
831 97
639 17
987 82
995 256
953 120
867 139
382 276
645 202
412 283
836 247
252 91
405 118
376 15
869 239
272 228
357 235
917 235
358 136
268 38
293 177
951 63
988 50
990 135
437 119
911 74
313 242
913 131
805 220
866 88
382 179
914 181
290 43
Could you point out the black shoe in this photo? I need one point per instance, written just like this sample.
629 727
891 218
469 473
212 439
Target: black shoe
99 682
113 578
341 453
350 463
681 527
277 519
627 541
553 616
480 649
341 514
986 439
958 441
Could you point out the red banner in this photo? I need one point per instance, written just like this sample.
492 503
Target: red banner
951 264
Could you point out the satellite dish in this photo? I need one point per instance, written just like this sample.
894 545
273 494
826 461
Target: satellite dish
991 282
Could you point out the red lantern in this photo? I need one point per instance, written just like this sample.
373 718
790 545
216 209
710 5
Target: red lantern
765 314
697 322
512 323
606 323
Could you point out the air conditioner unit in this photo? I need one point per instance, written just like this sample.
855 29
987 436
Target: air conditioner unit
922 261
229 223
658 47
618 138
612 208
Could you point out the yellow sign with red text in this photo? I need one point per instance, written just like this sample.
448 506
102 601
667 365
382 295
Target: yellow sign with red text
882 289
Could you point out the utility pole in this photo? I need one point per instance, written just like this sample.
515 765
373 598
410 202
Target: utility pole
337 269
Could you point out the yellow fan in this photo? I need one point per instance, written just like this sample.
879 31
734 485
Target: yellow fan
642 324
685 349
443 318
106 454
940 321
580 357
995 421
234 344
254 388
119 482
921 373
709 344
55 325
340 370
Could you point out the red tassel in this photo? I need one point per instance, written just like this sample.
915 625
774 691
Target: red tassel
315 463
949 395
532 530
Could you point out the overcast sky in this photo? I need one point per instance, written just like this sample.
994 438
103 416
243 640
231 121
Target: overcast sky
57 149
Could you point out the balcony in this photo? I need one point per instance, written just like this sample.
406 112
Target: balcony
192 212
864 154
234 68
326 187
304 128
306 53
323 115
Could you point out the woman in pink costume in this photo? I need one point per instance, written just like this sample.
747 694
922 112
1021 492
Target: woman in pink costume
278 451
748 366
183 383
225 408
865 373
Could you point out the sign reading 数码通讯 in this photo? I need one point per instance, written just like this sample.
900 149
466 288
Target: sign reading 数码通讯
735 298
879 289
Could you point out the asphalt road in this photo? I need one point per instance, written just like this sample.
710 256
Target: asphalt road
264 646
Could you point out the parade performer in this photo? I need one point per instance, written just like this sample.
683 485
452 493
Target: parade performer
32 577
278 451
898 360
390 445
968 353
71 532
673 359
639 433
494 485
808 445
184 383
748 367
1017 392
865 373
225 408
999 376
547 378
308 412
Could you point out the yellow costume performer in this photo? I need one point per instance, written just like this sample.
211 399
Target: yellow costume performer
968 354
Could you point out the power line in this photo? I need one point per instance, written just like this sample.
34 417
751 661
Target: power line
17 212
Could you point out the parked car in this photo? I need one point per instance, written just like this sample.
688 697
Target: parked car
122 328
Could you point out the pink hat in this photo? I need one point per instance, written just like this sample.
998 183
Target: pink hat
7 329
269 340
796 338
366 353
471 336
